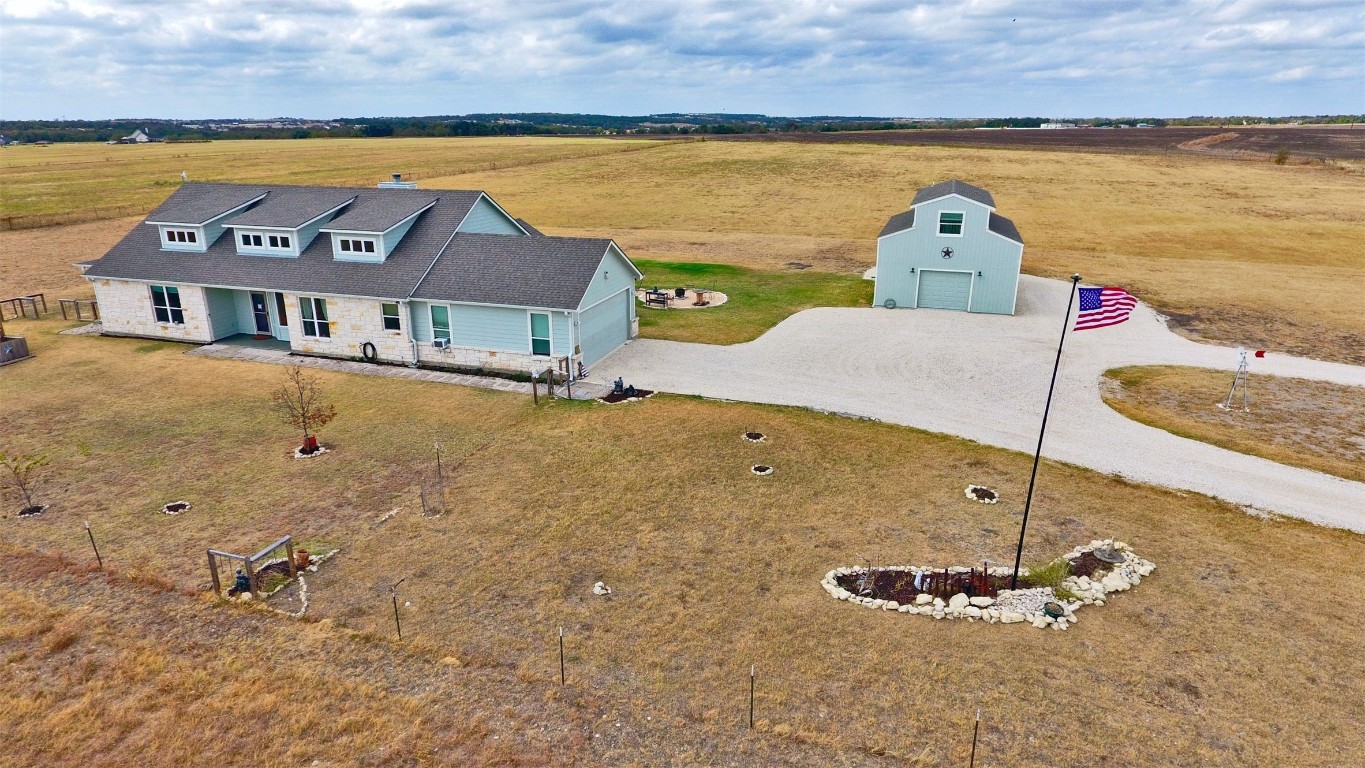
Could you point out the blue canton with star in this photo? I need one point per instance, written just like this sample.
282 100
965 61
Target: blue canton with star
1090 298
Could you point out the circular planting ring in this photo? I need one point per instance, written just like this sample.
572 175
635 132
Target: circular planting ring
982 494
762 470
754 437
175 507
299 454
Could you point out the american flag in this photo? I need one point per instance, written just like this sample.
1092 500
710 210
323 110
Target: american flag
1104 306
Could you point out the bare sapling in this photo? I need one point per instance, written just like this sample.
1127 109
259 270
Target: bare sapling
24 469
300 403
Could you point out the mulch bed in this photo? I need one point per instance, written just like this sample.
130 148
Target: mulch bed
900 585
622 397
984 494
1087 564
34 510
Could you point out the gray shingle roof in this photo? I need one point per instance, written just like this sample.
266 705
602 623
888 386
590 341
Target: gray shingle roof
378 214
953 187
1004 227
898 223
527 226
197 203
292 207
551 272
139 256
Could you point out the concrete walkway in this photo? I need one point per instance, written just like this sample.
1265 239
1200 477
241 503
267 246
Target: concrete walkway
584 391
985 378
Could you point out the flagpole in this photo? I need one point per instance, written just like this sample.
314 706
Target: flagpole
1037 454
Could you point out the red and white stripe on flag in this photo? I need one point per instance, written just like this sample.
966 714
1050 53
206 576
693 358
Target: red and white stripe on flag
1101 307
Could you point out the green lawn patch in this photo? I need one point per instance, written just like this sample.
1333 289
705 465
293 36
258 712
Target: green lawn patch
758 299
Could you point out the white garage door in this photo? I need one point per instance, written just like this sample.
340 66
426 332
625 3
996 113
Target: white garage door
604 327
944 290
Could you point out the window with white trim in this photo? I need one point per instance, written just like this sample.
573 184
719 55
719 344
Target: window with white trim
950 223
278 241
314 315
166 305
390 314
440 322
540 334
252 241
181 236
352 245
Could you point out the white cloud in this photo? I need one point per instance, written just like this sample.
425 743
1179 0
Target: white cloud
326 58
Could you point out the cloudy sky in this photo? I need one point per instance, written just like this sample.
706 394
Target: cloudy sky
957 58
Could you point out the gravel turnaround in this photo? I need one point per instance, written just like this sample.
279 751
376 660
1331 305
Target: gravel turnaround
985 377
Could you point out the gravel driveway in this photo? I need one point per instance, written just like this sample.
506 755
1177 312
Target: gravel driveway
984 377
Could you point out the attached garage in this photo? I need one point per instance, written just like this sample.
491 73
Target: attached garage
605 326
941 289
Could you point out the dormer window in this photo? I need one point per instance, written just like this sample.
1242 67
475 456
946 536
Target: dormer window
181 238
356 245
256 243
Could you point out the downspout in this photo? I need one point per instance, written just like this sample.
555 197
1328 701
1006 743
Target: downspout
412 340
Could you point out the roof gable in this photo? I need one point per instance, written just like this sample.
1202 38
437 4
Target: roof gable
551 272
953 187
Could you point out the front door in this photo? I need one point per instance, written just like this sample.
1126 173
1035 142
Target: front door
261 312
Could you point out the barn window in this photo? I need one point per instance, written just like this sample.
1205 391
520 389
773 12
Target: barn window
950 223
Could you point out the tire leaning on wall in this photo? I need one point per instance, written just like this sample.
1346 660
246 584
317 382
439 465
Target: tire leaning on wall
369 352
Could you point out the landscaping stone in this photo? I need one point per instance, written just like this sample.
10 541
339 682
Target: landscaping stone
1009 606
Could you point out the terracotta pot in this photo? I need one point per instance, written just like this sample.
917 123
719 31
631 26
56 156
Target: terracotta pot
301 558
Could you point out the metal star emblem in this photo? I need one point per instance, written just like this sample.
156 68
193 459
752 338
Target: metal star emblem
947 253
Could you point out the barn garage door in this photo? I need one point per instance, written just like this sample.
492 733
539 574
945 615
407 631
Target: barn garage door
944 290
604 327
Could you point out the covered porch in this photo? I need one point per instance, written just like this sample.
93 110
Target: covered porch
253 315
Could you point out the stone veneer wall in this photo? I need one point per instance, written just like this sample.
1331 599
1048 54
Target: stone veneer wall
126 309
353 322
466 358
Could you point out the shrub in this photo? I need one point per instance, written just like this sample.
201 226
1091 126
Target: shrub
1282 157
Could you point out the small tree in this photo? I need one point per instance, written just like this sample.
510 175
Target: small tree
23 470
300 403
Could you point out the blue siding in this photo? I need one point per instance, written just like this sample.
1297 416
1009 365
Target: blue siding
305 235
502 329
613 274
395 235
222 308
485 218
605 327
978 249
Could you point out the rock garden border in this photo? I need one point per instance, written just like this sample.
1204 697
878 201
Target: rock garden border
982 494
1039 606
176 507
762 470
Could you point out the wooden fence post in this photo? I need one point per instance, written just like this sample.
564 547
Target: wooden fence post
213 571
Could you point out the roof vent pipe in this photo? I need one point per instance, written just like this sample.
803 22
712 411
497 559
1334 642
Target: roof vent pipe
398 183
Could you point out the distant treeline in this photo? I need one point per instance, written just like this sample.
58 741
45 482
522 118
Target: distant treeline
537 123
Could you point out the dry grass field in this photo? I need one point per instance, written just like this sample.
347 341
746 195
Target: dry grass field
1311 424
1235 251
713 569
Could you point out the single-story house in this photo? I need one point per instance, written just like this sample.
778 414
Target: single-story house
951 250
434 277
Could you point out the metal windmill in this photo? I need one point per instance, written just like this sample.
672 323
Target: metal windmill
1239 390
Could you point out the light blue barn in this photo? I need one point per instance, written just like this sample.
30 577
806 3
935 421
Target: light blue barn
440 278
951 250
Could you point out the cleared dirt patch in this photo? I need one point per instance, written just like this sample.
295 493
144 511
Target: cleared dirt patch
1303 423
